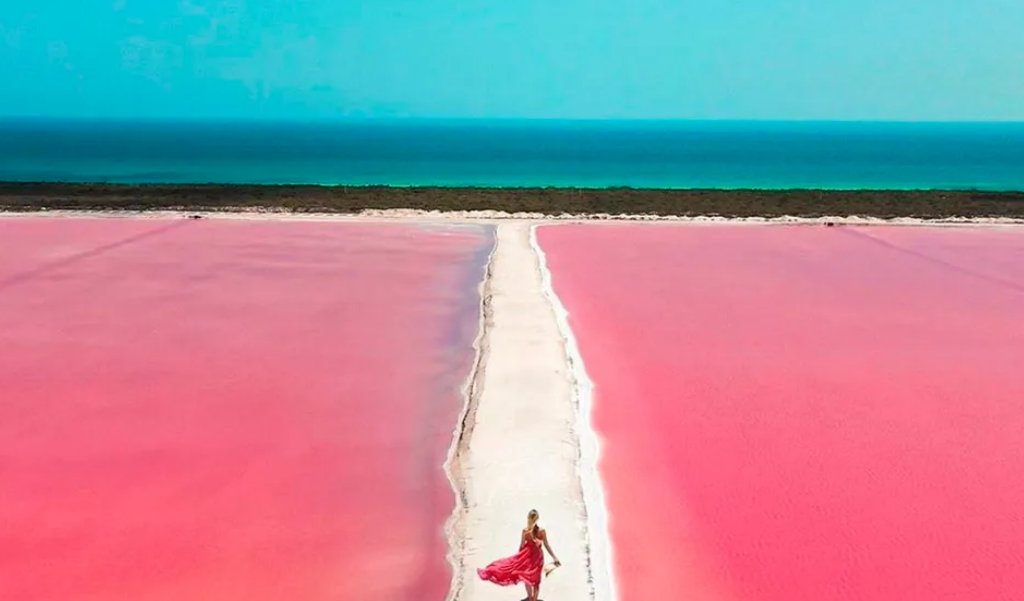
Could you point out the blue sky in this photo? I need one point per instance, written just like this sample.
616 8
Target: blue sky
593 59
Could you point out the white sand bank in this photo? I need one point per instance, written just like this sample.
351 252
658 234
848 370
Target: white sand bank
419 216
499 216
520 451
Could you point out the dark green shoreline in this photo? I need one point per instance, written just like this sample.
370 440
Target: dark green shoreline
926 204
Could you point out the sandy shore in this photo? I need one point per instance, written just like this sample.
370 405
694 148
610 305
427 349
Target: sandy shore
499 216
455 217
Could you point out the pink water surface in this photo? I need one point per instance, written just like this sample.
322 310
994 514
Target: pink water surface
805 412
229 410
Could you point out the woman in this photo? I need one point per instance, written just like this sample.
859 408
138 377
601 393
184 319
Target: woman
525 566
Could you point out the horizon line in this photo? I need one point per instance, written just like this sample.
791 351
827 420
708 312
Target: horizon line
364 119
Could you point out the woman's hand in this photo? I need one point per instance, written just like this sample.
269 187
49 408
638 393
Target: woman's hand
558 563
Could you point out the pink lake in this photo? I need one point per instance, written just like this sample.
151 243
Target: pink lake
230 410
805 412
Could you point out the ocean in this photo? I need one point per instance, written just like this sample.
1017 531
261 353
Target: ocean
640 154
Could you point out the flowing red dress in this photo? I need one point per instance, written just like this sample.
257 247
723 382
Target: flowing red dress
523 567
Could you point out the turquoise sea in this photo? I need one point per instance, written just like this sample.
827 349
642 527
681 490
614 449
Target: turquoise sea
988 156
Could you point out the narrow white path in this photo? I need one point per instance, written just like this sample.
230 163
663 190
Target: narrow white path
520 451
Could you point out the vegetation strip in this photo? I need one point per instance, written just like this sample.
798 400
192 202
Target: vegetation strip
926 204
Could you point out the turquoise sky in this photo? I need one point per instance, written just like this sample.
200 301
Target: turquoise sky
708 59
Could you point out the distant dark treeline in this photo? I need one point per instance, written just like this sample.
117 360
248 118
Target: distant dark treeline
350 199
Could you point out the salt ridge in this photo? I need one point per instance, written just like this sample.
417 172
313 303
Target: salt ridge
463 428
597 536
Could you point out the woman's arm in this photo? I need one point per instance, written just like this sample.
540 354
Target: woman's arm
544 537
522 539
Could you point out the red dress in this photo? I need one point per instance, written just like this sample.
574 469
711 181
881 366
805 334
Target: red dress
523 567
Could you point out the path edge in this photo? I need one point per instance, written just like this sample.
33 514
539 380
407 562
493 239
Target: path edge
596 536
472 389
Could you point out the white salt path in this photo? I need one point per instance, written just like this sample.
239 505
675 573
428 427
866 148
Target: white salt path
521 451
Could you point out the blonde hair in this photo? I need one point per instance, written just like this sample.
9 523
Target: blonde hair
531 519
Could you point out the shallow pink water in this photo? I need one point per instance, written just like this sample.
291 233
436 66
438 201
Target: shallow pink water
805 412
229 410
